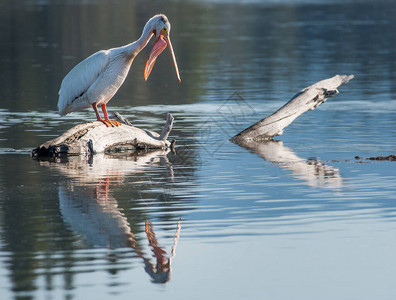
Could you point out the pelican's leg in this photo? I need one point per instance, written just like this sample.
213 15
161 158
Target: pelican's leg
112 122
95 107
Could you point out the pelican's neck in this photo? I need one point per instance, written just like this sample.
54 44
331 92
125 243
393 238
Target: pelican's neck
134 48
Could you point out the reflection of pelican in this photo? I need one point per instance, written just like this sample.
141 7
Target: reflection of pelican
103 224
160 273
95 80
315 173
89 208
94 215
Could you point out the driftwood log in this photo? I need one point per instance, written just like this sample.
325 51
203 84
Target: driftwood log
95 137
307 99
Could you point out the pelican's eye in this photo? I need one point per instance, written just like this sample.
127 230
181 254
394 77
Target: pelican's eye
164 31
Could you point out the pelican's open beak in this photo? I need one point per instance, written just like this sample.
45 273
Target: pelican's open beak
159 46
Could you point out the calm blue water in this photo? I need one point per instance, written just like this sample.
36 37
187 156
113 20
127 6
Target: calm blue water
296 218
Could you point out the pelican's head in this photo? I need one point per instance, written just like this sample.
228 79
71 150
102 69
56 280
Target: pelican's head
160 27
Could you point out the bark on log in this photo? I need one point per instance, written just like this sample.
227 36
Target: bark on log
307 99
95 137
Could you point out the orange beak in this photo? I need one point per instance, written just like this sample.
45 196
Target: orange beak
159 46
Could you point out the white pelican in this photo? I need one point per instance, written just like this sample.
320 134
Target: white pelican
95 80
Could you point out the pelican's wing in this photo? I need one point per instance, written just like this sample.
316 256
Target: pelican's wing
80 78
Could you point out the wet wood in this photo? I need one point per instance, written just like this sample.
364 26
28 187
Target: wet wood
391 157
307 99
95 137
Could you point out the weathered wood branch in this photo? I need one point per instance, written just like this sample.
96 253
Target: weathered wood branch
95 137
307 99
167 128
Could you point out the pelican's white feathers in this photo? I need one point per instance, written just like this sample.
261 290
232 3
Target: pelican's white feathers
80 79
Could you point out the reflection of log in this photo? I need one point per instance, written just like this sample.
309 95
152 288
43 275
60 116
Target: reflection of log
307 99
313 172
95 137
87 169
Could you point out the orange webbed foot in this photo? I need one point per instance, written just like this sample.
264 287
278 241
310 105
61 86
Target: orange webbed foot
106 122
115 123
111 123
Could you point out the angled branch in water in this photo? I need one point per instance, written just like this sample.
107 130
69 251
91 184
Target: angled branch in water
95 137
307 99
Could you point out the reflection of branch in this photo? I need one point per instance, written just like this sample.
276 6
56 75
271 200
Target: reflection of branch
315 173
164 161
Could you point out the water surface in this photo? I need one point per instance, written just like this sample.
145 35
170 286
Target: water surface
295 218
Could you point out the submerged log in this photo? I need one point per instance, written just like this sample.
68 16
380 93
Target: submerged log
307 99
95 137
391 157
